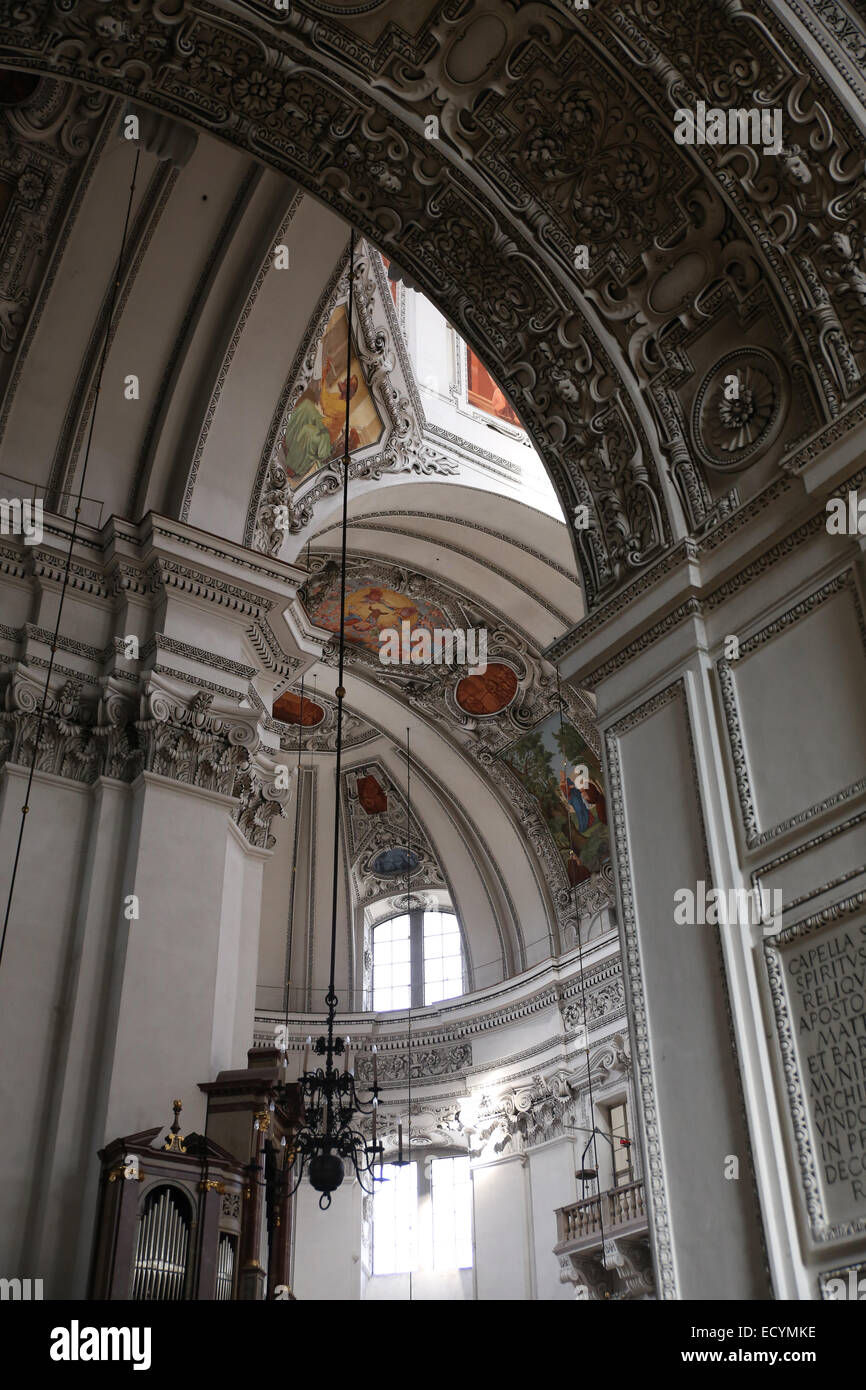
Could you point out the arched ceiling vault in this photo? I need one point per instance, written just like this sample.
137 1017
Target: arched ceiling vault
552 131
505 870
701 261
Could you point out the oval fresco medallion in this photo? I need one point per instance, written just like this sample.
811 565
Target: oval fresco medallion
489 693
288 708
390 863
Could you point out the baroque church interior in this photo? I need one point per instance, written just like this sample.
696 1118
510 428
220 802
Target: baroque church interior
341 959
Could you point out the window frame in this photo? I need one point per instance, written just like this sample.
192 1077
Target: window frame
423 1222
417 986
624 1174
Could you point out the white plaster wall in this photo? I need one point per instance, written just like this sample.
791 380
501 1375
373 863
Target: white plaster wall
327 1260
551 1185
502 1216
39 950
164 1039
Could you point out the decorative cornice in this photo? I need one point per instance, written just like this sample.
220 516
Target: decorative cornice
161 642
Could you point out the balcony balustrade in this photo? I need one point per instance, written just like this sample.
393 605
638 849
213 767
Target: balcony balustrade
603 1244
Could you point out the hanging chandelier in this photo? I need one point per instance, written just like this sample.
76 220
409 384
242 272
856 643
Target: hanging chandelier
332 1110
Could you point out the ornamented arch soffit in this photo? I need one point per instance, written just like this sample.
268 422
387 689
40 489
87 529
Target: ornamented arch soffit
701 261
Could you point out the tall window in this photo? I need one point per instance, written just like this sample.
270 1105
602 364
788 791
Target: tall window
623 1169
417 959
451 1193
422 1217
392 965
395 1217
443 957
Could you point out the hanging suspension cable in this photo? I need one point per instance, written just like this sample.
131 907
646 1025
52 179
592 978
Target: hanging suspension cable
295 854
331 998
409 911
112 304
593 1138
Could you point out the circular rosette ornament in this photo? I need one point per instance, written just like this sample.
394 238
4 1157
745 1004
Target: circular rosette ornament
739 409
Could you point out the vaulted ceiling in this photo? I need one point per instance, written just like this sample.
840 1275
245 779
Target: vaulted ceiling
518 163
702 260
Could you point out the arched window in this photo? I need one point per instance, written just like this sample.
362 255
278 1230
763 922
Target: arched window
417 960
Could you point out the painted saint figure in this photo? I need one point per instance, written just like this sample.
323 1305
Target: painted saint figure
587 803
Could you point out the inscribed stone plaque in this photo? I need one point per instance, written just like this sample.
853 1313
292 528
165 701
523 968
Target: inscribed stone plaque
821 1012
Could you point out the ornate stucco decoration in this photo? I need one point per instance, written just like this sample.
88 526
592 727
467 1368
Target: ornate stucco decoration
432 687
731 431
432 690
422 1064
601 1004
368 836
69 744
43 138
385 366
189 743
523 1117
264 94
543 1108
260 800
625 1275
526 153
114 733
321 737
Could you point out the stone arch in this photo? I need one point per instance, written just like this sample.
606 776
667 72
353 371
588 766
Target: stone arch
347 119
333 131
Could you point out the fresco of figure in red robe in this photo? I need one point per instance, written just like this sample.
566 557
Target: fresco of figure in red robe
484 394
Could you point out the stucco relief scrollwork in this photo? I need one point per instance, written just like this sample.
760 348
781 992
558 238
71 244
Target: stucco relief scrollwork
43 136
265 90
188 743
606 1002
543 1108
423 1063
795 202
68 746
119 735
260 800
527 1115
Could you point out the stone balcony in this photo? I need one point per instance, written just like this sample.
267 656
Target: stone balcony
603 1245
